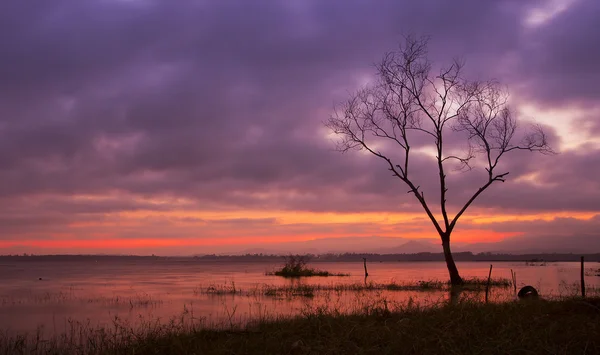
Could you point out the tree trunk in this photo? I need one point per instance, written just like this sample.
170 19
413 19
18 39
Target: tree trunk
455 293
455 278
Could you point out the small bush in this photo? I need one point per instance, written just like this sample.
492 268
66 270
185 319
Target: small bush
295 266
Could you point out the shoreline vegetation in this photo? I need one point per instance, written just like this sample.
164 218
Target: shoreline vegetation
303 273
375 328
309 290
534 259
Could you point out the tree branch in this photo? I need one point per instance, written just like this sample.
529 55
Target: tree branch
408 100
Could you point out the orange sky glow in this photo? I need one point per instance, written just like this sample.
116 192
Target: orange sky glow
180 230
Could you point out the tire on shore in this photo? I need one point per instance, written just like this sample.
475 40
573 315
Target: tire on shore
528 292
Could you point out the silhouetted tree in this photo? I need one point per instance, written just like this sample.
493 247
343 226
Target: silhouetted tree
408 101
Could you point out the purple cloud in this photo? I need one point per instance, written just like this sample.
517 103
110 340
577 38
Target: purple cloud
222 103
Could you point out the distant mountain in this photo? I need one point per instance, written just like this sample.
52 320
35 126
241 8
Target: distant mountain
375 244
536 244
411 247
347 244
399 245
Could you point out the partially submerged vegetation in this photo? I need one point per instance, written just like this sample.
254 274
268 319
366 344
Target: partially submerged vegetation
295 266
307 291
379 328
310 290
536 262
143 300
219 289
481 283
285 272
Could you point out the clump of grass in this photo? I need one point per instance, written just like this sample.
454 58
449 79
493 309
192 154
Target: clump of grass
307 291
143 300
303 273
224 289
432 285
536 263
46 297
295 266
138 300
481 283
423 285
573 289
311 290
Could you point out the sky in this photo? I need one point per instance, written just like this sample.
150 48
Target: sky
191 127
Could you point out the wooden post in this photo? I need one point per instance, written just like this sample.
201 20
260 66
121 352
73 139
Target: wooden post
514 280
487 287
582 279
365 264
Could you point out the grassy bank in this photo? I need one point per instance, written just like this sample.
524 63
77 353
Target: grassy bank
570 326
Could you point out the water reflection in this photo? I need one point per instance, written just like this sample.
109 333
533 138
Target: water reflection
99 293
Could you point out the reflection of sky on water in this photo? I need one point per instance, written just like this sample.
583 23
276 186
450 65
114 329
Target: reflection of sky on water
134 292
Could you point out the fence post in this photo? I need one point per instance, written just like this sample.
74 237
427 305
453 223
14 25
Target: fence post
487 287
582 279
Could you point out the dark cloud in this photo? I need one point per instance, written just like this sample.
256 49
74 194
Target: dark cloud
564 234
222 103
558 59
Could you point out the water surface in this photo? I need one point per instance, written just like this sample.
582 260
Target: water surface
98 292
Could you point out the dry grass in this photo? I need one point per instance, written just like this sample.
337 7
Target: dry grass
568 326
219 289
308 290
481 283
138 300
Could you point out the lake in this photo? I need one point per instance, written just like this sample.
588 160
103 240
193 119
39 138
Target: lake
134 292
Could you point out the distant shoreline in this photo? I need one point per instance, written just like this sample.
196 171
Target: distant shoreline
346 257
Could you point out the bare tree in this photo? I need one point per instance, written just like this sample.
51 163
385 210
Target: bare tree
408 101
